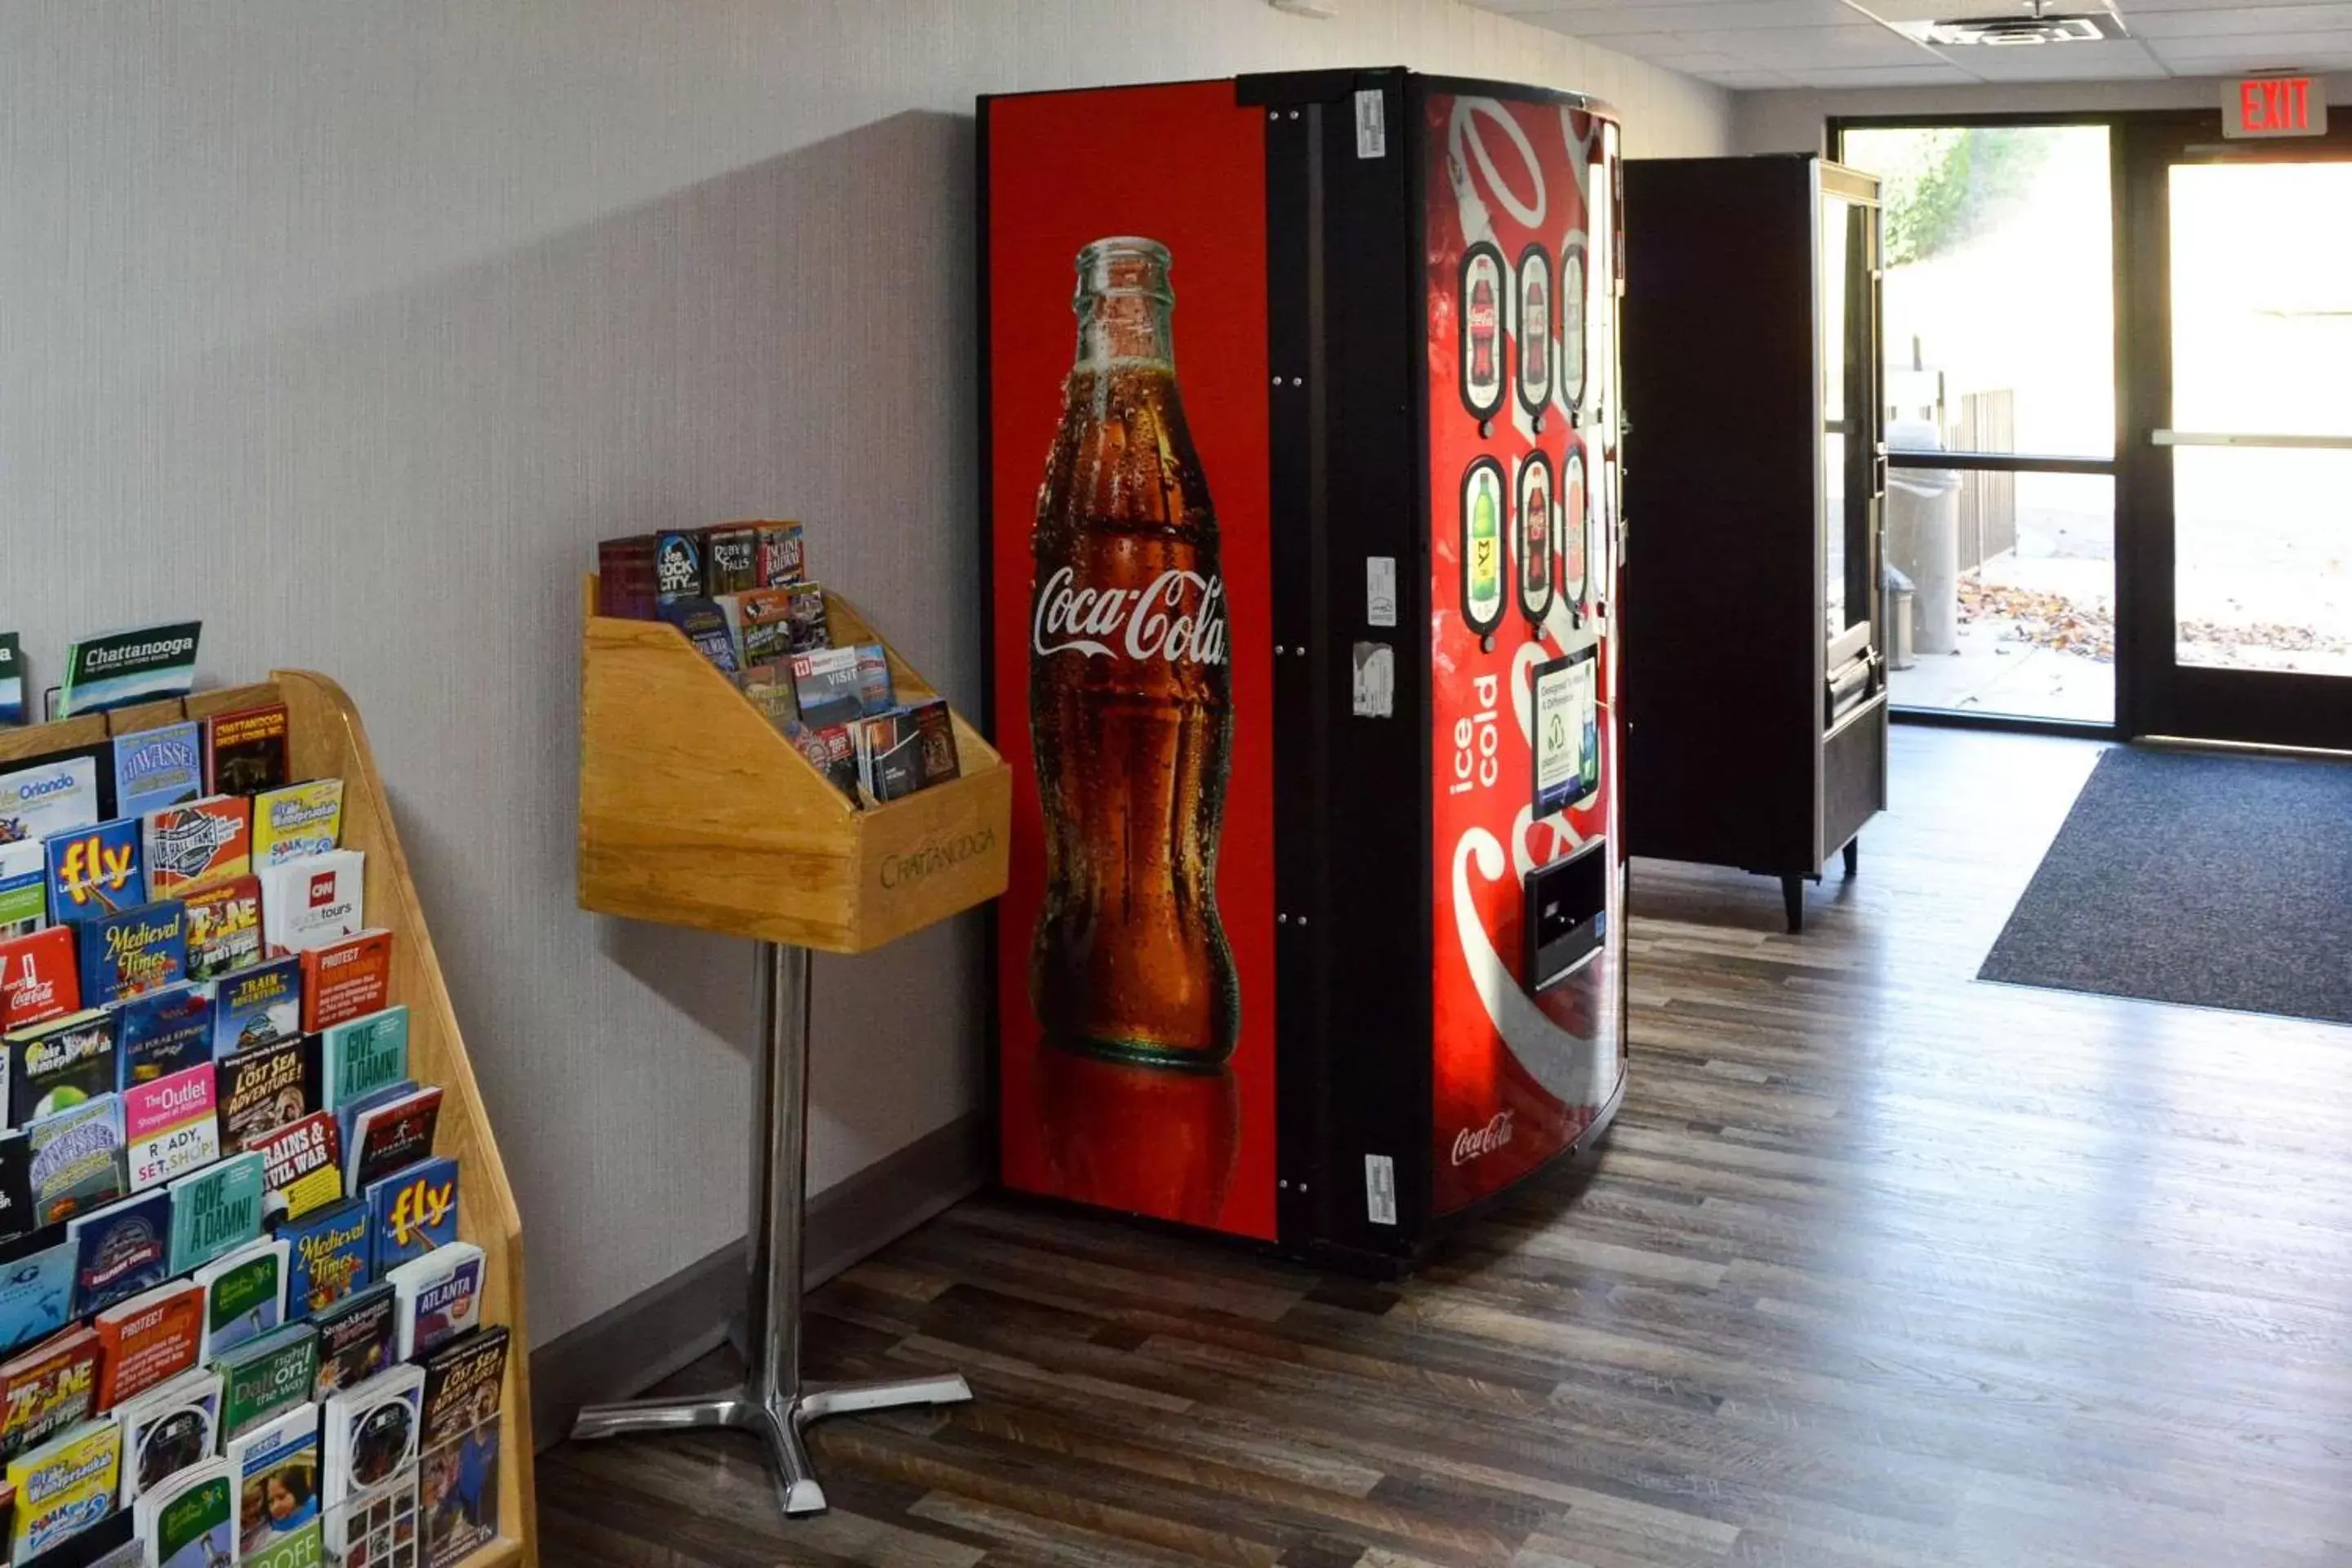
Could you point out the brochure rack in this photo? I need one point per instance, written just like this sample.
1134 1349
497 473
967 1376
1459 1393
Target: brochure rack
328 740
694 812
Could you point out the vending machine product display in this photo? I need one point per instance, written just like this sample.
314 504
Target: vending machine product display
1299 439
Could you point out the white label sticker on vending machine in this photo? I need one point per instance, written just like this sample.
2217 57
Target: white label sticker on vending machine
1380 591
1372 124
1379 1189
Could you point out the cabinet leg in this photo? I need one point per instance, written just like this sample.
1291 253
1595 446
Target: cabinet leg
1793 898
1854 854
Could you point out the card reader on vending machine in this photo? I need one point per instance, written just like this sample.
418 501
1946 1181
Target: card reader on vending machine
1567 915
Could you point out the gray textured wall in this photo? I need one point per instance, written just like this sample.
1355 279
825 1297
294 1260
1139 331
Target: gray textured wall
349 328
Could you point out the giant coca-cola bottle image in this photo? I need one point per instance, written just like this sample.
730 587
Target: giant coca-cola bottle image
1147 1138
1130 706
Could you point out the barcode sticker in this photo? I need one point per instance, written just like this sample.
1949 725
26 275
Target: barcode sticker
1379 1189
1379 590
1372 124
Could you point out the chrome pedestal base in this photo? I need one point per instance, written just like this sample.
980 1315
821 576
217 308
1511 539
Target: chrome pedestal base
772 1401
779 1423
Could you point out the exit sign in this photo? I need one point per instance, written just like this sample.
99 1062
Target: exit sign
2273 106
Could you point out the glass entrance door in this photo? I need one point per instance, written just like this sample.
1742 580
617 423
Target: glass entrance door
2241 438
2000 424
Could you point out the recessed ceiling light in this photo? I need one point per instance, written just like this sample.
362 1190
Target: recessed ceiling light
2040 25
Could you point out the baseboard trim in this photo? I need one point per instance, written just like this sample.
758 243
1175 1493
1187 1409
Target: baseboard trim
851 1221
623 1351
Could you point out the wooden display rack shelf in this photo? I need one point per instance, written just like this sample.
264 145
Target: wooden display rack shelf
694 811
329 741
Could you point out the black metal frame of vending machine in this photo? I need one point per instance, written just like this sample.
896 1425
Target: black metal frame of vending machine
1345 408
1348 403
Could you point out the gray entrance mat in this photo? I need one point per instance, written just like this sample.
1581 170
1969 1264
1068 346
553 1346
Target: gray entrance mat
2217 881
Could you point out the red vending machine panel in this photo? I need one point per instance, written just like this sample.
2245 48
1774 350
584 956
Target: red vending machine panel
1522 538
1298 441
1127 453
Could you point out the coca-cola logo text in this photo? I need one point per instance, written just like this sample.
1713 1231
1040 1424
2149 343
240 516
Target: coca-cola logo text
934 855
1151 622
1473 1142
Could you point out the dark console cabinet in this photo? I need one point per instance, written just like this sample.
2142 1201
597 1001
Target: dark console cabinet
1754 688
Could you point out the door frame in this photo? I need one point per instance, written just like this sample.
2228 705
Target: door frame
2154 697
2260 707
2122 726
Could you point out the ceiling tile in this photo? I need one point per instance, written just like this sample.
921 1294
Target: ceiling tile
2232 56
1701 19
1942 10
2216 22
2132 9
1782 48
1576 22
2283 46
1751 44
2115 60
1928 75
1690 54
1743 80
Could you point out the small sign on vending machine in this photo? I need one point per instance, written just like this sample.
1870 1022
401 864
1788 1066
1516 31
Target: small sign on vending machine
1567 738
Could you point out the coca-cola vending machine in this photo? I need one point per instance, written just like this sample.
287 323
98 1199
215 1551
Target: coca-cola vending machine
1299 436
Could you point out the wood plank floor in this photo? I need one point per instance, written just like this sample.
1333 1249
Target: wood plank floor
1880 1266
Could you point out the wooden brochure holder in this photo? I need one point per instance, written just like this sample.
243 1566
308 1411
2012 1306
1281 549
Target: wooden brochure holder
329 741
694 812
